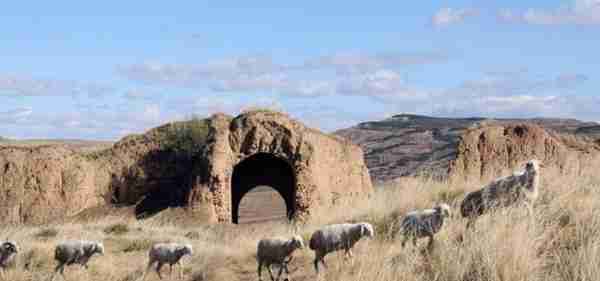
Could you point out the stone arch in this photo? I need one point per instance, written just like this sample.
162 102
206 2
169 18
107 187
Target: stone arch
263 169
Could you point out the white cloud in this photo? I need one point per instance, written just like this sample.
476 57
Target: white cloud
449 16
381 84
15 115
357 62
22 85
583 12
516 94
313 77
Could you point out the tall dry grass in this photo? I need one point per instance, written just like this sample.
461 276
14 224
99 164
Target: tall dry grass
561 243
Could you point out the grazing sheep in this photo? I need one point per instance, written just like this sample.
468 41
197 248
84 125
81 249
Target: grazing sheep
8 251
277 251
336 237
418 224
75 252
167 253
519 188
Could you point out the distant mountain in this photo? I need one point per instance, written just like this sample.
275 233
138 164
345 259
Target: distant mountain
407 144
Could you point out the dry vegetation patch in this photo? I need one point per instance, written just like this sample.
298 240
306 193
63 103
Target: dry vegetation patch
563 242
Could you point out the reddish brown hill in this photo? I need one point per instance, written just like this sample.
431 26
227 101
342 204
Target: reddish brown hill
406 145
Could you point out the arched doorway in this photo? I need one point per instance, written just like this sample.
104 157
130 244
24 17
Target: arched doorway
261 170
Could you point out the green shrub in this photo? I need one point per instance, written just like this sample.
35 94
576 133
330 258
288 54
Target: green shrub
138 245
186 138
117 229
46 233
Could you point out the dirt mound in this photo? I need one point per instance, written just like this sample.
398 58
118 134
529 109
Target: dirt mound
37 183
203 165
491 150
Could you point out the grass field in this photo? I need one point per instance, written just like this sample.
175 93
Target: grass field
563 243
78 145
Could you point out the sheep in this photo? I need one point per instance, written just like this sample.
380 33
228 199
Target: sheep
336 237
519 188
8 251
277 251
75 252
418 224
167 253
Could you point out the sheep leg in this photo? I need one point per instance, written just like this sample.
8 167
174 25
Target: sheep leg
530 211
404 240
84 261
323 262
259 270
158 267
281 267
270 272
180 270
430 244
319 257
286 263
59 269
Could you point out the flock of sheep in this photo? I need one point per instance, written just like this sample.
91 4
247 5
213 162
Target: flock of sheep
519 188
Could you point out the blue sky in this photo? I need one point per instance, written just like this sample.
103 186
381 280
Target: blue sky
104 70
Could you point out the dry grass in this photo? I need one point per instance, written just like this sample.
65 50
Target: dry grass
563 243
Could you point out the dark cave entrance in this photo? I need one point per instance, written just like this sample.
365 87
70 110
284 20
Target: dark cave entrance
265 175
169 194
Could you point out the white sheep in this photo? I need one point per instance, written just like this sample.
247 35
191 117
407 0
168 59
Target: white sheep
277 251
336 237
167 253
519 188
8 251
424 223
75 252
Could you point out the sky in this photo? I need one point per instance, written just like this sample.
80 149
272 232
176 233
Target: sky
73 69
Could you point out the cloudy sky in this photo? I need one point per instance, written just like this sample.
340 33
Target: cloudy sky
76 69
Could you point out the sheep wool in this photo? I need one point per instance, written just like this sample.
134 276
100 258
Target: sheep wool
75 252
336 237
277 251
519 188
167 253
424 223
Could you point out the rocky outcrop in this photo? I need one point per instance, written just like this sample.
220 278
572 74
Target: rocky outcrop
37 183
410 145
322 165
489 151
204 166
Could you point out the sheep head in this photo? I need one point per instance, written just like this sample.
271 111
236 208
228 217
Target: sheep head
99 248
186 250
533 165
297 242
443 209
10 247
366 229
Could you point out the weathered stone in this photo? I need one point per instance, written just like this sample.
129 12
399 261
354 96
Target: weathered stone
488 151
305 166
